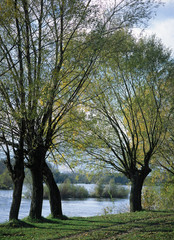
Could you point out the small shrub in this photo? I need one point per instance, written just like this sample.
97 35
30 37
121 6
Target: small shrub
167 193
45 192
80 192
150 198
68 190
98 191
158 198
111 190
5 181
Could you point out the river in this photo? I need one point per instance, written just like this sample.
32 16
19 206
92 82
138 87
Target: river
71 208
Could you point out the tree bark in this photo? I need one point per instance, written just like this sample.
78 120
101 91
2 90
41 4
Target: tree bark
137 180
37 159
18 179
17 175
54 193
37 193
135 195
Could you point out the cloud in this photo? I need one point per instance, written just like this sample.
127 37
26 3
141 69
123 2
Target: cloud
162 25
164 30
168 1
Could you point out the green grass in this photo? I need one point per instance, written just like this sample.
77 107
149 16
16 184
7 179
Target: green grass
131 226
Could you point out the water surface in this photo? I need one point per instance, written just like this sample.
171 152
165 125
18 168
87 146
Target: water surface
71 208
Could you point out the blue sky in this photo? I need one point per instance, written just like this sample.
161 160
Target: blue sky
162 25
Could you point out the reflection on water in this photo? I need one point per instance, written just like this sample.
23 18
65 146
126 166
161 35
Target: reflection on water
71 208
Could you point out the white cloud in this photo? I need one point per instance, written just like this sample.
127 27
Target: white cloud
163 30
162 25
168 1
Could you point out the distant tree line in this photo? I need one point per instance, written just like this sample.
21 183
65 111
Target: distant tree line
75 177
60 177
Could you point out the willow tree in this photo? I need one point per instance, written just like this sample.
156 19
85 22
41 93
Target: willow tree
165 155
127 115
48 50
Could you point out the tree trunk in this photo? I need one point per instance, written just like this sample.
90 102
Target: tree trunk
135 195
18 178
137 180
17 194
54 194
37 159
37 193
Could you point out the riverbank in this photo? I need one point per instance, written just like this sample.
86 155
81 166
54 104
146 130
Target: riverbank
134 226
71 208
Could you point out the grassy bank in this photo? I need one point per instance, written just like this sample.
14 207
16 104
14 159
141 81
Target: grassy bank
130 226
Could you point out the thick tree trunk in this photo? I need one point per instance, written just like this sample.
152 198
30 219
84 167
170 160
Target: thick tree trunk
135 195
137 180
37 159
17 194
18 179
54 194
37 193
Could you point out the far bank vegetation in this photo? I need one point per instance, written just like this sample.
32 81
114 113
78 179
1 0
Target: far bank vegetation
101 190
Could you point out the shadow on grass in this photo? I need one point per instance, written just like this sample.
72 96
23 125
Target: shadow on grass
104 221
17 224
42 220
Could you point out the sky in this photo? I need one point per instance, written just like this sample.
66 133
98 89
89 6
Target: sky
162 25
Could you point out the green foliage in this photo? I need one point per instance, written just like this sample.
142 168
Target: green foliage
126 113
72 176
160 196
68 190
150 198
77 177
167 193
5 181
45 192
110 190
2 167
98 189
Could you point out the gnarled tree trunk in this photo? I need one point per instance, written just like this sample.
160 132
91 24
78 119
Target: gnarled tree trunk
137 180
54 193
